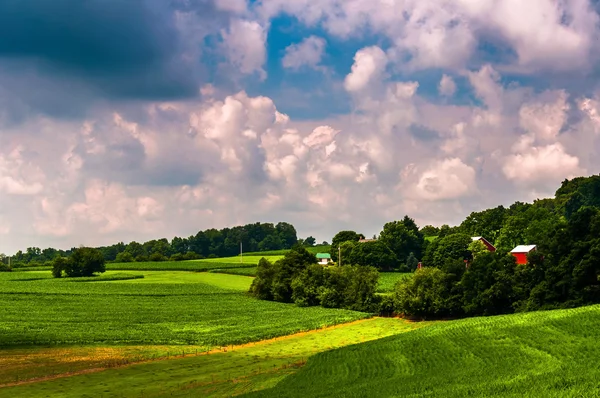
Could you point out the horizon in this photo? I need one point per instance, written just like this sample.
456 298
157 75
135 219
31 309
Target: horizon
327 115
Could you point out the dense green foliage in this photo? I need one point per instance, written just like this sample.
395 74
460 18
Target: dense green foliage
563 272
84 261
298 278
205 244
181 308
341 237
542 354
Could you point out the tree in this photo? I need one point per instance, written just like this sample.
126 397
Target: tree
84 261
286 269
345 250
310 241
477 248
412 262
451 247
375 254
341 237
59 264
430 230
287 234
423 294
306 286
262 285
402 237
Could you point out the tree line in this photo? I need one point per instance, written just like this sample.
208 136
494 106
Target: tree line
205 244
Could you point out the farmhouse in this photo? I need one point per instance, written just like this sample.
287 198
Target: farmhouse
363 240
520 252
483 240
324 258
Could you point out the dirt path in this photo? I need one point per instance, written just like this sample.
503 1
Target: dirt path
208 352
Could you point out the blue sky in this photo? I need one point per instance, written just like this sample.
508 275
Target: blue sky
140 120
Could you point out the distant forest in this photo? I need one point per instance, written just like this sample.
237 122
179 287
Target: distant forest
205 244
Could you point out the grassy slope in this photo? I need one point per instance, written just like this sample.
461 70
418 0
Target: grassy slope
193 265
549 354
242 369
203 309
387 280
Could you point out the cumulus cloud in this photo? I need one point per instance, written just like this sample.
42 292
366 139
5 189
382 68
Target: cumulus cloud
187 155
446 179
306 53
369 66
542 166
244 44
542 34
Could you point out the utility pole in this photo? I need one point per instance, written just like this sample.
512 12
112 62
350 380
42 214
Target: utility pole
241 253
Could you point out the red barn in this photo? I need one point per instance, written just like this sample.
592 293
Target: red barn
483 240
520 252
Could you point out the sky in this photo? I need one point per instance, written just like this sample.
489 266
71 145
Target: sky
145 119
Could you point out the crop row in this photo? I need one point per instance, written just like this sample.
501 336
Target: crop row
130 312
553 353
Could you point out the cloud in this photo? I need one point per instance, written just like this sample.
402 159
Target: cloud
369 66
306 53
447 87
446 179
541 166
539 35
179 134
244 44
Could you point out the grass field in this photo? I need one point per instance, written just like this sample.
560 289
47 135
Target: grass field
240 369
250 271
193 265
387 280
541 354
202 309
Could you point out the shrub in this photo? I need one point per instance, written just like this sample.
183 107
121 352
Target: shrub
157 257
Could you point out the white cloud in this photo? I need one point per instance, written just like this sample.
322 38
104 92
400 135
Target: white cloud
544 34
244 44
306 53
369 66
446 179
545 118
447 87
542 166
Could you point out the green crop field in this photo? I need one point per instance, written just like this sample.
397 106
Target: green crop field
387 280
250 271
245 259
541 354
206 264
204 309
240 369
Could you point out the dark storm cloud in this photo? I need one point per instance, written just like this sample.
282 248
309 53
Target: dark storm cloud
121 49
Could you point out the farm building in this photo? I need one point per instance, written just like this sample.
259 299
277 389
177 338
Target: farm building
483 240
520 252
324 258
363 240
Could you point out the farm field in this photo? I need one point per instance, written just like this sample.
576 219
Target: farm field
549 354
200 309
387 280
192 265
240 369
